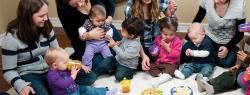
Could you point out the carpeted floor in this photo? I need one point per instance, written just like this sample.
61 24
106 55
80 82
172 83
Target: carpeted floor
142 81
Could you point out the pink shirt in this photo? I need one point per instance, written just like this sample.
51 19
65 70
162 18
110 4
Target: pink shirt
172 57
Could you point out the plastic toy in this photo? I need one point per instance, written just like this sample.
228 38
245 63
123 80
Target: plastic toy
154 50
71 63
181 90
246 75
244 27
152 91
125 85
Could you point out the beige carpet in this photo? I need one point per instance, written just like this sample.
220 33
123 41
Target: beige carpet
142 81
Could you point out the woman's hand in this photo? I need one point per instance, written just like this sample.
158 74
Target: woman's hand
27 90
96 33
172 7
109 20
74 71
222 52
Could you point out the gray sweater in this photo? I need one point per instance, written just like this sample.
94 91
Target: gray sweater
222 29
127 54
19 60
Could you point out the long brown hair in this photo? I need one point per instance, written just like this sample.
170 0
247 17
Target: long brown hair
25 28
137 10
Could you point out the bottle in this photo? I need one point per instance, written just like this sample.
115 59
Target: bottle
125 85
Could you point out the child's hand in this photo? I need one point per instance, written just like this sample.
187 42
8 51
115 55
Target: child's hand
118 43
235 68
165 45
74 71
189 52
112 43
242 55
86 69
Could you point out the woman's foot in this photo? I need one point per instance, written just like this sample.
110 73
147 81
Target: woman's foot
198 79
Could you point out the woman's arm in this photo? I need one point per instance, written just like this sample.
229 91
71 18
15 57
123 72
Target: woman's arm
200 15
9 61
238 35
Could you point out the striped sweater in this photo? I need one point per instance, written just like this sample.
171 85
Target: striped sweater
18 59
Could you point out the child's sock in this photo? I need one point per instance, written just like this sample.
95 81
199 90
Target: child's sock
209 88
198 79
111 92
179 74
161 79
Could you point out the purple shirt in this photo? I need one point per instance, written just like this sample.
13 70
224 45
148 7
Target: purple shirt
61 83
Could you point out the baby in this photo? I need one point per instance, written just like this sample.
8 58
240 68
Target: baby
198 53
97 17
61 81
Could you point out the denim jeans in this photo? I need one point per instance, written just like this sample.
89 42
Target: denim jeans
123 72
38 82
100 66
88 90
229 61
205 69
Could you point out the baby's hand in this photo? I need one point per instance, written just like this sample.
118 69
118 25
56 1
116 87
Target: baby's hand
235 68
86 69
188 52
242 55
74 71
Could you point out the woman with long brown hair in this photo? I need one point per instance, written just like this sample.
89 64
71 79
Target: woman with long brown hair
149 11
24 45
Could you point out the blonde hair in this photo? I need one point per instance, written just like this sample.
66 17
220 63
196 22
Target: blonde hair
137 10
97 10
52 54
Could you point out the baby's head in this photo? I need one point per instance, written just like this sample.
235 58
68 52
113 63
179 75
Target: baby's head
196 33
56 58
97 15
168 28
132 27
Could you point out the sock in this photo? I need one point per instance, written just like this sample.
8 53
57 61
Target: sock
179 74
198 79
205 78
161 79
111 92
209 88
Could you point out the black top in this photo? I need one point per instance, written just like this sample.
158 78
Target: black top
71 20
108 4
208 45
238 35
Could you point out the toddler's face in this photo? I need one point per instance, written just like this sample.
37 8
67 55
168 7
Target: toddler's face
167 34
196 38
98 20
61 61
124 33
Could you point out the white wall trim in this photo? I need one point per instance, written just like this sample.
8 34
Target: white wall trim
1 38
